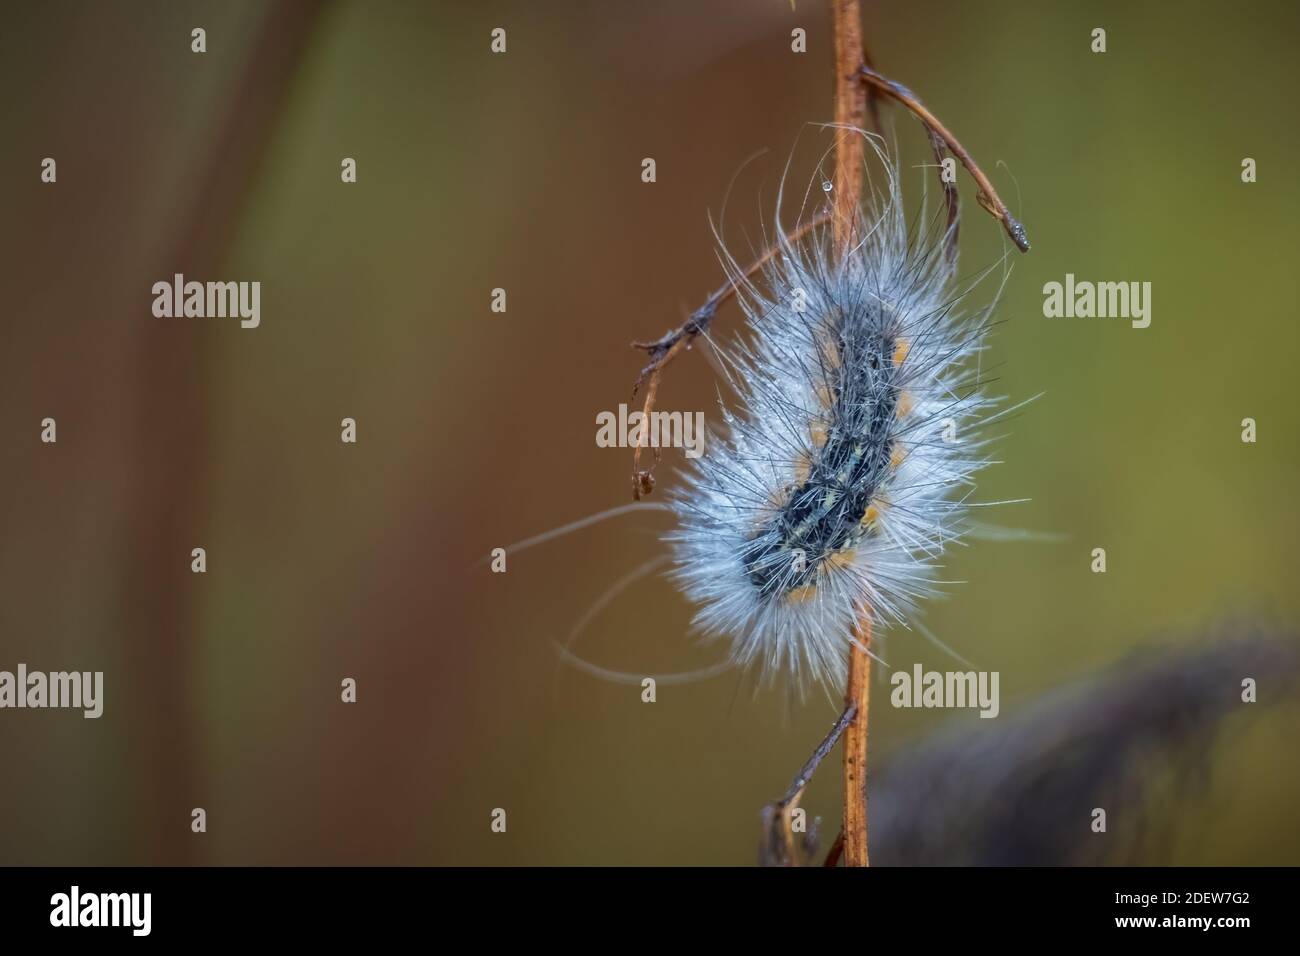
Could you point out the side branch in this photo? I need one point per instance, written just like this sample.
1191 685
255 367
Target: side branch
987 195
667 347
779 846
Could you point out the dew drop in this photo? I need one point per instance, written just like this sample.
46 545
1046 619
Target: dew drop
827 186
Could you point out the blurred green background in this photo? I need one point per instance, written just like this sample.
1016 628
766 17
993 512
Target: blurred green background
476 429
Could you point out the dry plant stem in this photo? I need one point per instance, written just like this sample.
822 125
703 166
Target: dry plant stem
785 807
850 110
987 195
801 781
837 848
666 348
851 69
858 693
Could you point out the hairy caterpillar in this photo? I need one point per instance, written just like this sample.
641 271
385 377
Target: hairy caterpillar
847 456
847 460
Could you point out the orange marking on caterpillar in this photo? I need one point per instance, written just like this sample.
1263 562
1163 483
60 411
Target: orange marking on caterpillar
800 595
802 468
873 512
840 559
901 348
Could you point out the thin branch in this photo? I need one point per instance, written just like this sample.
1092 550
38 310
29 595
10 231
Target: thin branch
667 347
850 113
780 848
837 848
950 197
850 109
804 777
987 195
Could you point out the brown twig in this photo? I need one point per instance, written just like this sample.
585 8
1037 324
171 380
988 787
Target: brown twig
987 195
802 779
850 108
950 197
778 824
857 692
837 848
951 200
667 347
850 112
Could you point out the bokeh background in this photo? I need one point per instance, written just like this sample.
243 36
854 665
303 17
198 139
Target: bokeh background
476 429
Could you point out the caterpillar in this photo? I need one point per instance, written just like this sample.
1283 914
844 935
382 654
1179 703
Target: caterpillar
846 460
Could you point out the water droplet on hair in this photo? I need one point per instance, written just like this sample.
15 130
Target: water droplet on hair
827 186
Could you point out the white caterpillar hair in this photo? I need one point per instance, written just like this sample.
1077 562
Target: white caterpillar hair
846 461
